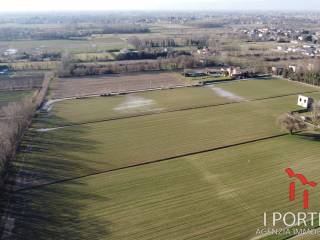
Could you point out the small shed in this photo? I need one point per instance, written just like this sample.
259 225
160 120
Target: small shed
304 101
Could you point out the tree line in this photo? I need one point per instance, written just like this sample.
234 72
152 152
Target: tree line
150 54
139 43
306 76
143 43
125 29
68 68
15 119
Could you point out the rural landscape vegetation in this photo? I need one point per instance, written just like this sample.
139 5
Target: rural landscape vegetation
156 125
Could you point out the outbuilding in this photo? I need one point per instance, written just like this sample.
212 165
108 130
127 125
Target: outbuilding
304 101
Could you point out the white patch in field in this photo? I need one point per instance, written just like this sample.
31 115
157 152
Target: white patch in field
48 129
223 93
136 103
49 104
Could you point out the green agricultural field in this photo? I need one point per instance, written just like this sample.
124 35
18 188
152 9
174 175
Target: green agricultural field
145 177
263 88
100 108
74 46
88 148
216 195
91 57
13 96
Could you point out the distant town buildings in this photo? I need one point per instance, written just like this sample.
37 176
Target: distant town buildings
303 42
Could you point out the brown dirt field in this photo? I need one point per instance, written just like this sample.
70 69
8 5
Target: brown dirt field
81 86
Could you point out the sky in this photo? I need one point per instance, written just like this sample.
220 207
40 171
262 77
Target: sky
92 5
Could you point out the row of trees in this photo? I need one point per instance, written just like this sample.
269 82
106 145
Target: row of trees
14 120
150 54
305 76
139 43
302 71
125 29
71 69
175 60
136 55
143 43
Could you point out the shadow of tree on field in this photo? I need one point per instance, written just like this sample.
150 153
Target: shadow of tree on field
312 136
49 120
301 111
55 211
45 157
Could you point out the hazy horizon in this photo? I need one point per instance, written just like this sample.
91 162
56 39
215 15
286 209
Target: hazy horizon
162 5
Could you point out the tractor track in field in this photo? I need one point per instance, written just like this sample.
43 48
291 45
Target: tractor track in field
173 110
147 163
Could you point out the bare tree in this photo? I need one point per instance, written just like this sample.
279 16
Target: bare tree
316 113
15 120
67 66
291 123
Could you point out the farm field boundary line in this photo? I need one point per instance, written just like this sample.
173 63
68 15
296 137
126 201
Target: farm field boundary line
147 163
73 97
84 96
176 110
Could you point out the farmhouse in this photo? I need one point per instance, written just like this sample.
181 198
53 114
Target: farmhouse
304 101
234 71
